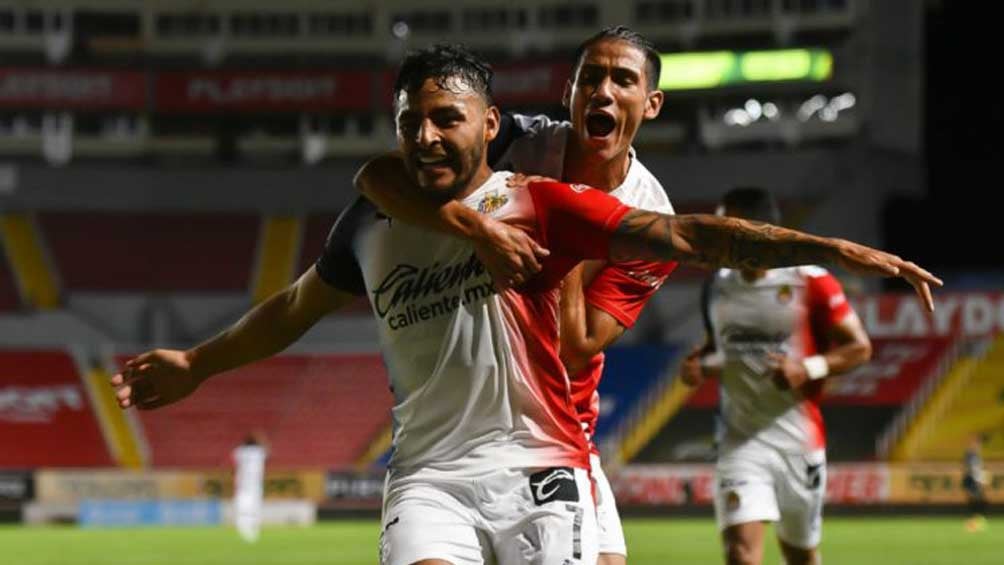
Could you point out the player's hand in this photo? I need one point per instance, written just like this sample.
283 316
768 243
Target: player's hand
510 255
691 371
868 261
788 373
154 379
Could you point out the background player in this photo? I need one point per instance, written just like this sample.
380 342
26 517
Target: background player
613 90
773 336
973 481
249 487
476 374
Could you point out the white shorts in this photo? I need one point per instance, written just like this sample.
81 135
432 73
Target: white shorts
501 517
756 483
611 538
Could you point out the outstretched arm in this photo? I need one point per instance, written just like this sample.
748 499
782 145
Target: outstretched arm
163 376
510 254
716 241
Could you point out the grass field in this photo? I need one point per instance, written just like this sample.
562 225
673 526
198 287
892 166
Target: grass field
856 541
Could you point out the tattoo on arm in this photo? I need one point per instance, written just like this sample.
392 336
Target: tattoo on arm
715 241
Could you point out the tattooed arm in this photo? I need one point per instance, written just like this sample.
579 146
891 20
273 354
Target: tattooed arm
715 241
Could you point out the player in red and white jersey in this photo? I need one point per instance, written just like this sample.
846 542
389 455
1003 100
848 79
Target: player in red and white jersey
613 90
489 459
773 337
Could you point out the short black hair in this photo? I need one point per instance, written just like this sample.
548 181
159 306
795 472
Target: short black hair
753 203
442 62
653 64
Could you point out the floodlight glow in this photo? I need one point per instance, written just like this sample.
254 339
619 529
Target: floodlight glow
714 69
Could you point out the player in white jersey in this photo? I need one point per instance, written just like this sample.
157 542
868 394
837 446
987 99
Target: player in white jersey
489 460
613 89
249 488
773 337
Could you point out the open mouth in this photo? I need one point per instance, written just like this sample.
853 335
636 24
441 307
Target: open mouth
599 124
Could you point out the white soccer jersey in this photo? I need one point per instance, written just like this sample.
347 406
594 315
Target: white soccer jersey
249 475
249 482
788 311
476 375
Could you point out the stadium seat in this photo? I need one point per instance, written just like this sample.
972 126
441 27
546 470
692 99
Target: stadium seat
46 417
976 406
314 411
152 252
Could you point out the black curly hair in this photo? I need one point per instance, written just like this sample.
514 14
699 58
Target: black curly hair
442 62
653 64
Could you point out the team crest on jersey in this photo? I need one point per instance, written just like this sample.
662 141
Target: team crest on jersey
492 202
784 294
579 187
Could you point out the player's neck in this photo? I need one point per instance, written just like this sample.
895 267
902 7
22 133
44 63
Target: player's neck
583 167
482 175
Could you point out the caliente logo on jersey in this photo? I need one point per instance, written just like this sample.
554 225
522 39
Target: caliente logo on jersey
410 293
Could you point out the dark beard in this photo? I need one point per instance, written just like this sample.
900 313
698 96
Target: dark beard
460 185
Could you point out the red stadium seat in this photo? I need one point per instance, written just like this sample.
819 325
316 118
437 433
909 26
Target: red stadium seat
46 417
314 411
111 251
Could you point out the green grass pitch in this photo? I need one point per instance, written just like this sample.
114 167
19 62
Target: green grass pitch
857 541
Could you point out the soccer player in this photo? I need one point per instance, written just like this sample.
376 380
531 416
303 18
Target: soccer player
973 482
613 90
773 337
249 481
489 461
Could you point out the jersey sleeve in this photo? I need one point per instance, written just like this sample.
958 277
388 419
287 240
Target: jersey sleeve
623 289
827 302
574 220
338 265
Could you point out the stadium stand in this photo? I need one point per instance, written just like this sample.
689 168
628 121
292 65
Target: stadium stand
314 235
46 417
152 252
314 410
277 255
632 374
970 401
9 298
29 261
